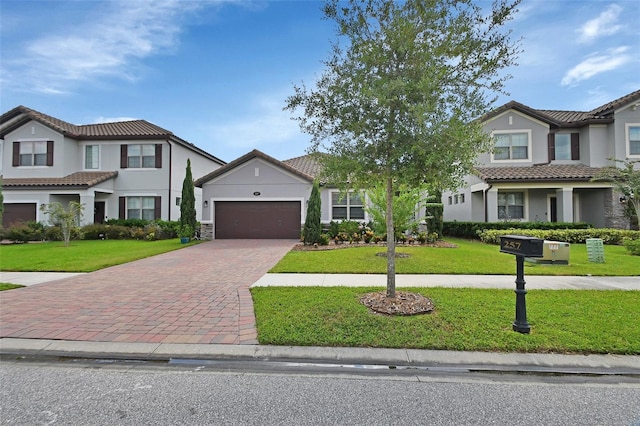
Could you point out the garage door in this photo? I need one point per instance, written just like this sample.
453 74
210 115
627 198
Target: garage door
257 219
18 212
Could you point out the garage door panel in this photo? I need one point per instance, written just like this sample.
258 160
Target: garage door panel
257 219
15 213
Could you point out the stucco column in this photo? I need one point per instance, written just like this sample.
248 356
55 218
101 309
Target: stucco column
87 199
492 205
564 197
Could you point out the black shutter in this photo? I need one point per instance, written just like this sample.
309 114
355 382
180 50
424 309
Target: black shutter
16 154
122 208
575 146
158 208
158 156
123 156
49 153
551 146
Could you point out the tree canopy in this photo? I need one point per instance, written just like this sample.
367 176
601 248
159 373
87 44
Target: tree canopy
398 103
625 179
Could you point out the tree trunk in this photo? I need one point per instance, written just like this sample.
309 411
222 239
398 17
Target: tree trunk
391 241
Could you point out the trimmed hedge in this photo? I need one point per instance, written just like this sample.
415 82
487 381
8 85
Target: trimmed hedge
574 236
470 230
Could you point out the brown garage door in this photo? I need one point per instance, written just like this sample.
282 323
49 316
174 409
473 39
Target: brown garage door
18 212
257 219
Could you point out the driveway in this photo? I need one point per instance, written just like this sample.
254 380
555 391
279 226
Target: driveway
198 294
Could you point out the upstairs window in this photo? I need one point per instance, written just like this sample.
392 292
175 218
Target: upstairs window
33 153
633 136
347 207
141 156
91 156
510 205
511 146
563 146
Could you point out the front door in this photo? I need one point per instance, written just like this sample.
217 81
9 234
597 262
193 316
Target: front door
98 212
553 209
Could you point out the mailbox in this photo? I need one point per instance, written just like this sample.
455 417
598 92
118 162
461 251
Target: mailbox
521 246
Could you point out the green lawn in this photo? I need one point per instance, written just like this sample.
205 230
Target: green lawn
80 256
563 321
470 257
8 286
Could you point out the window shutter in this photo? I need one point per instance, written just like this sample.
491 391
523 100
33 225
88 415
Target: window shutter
551 146
158 156
16 154
49 153
123 156
122 208
575 146
158 208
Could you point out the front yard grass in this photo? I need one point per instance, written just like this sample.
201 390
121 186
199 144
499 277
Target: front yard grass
470 257
562 321
8 286
80 256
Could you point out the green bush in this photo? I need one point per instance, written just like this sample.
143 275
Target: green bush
26 231
470 230
434 218
574 236
632 245
54 233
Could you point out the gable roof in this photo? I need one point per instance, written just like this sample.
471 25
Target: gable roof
559 118
133 129
543 172
74 180
302 170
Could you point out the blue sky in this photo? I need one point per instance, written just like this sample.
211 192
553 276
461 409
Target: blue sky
217 73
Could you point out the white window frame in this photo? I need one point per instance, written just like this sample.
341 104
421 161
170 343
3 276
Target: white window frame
627 137
511 132
141 209
347 199
141 156
524 205
568 150
32 154
85 156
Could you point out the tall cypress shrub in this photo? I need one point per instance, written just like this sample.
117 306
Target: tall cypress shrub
188 202
312 225
433 219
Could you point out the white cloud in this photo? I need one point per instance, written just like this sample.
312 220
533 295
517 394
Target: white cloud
603 25
101 120
596 64
111 41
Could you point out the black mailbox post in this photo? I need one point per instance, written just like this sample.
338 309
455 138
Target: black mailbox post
522 247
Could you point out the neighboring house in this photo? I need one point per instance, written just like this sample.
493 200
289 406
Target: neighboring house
542 164
257 196
130 169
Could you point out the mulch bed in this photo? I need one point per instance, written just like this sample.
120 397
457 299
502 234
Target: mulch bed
405 303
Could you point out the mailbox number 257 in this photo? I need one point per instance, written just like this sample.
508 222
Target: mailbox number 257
515 245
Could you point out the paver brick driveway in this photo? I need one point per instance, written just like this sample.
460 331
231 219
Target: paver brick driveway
198 294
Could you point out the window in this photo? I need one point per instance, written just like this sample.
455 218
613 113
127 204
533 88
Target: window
91 157
141 208
456 198
450 199
348 206
510 205
633 134
33 153
511 146
563 146
461 198
141 156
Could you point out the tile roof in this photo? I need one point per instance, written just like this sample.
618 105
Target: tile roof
249 156
545 172
308 164
559 118
74 180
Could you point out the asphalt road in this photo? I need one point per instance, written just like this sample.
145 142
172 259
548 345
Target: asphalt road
104 392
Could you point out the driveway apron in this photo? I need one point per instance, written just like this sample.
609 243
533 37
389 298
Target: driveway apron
198 294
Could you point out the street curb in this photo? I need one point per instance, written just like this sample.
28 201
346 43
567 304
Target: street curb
437 359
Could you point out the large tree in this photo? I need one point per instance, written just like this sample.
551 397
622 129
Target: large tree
398 103
625 179
188 202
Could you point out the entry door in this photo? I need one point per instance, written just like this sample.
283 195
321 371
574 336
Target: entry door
98 212
553 209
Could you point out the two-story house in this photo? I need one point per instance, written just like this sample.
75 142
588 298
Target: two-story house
542 164
130 169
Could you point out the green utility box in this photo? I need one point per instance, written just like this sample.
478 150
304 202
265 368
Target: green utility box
595 250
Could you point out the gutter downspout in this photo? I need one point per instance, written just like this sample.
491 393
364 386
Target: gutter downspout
486 206
170 169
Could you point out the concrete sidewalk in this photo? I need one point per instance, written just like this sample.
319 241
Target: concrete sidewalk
533 282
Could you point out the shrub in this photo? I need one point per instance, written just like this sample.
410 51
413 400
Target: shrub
633 246
26 231
574 236
324 239
471 230
434 218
